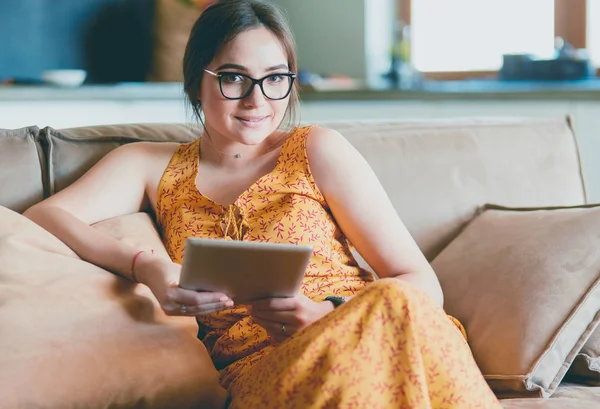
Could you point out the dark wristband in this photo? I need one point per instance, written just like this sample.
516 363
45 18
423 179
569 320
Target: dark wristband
336 300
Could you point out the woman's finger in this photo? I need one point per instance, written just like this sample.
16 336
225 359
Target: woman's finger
189 297
191 303
194 310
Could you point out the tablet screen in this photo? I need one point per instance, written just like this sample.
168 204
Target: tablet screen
244 270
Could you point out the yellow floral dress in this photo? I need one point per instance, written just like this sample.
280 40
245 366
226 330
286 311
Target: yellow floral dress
390 346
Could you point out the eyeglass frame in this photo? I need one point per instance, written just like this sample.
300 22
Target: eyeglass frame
254 81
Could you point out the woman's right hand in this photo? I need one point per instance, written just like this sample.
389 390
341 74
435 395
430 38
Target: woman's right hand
162 276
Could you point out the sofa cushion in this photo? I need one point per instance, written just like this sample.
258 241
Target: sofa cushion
573 391
76 336
567 396
558 403
21 165
586 367
525 283
71 152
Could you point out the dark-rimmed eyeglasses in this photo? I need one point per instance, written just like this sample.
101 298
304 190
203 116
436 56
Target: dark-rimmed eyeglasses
234 85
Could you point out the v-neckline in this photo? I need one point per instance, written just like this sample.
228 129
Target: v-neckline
249 188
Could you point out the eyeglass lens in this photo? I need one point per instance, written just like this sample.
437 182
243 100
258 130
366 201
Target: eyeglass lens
274 86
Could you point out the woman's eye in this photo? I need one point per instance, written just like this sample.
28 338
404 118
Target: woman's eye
274 79
232 78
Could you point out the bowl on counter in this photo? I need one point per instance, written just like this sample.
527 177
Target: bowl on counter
64 78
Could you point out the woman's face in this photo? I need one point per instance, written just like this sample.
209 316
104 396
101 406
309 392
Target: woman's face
256 53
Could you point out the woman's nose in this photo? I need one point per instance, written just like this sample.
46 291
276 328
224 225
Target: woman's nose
256 97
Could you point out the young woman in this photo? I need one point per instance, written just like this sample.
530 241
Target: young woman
346 340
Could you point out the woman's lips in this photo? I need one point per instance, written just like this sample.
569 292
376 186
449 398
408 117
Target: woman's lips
251 121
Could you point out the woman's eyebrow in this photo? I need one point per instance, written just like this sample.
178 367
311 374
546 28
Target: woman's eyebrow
232 66
278 67
242 68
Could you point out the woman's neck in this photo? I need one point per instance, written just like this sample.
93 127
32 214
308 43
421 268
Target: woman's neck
222 152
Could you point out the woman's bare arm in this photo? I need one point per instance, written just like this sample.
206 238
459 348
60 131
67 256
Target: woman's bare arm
364 212
115 186
123 182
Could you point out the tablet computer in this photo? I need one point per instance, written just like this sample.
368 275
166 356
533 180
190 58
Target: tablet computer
244 270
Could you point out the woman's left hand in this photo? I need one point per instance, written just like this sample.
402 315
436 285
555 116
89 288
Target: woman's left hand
283 317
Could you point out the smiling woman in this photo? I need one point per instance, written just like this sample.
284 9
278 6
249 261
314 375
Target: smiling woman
269 50
254 174
238 116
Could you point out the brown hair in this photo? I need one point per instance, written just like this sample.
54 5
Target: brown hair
221 23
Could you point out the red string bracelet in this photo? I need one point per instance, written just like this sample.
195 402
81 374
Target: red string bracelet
133 277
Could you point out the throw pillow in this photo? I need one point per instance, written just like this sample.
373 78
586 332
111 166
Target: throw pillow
525 283
77 336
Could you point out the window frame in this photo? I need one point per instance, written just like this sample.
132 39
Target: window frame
570 23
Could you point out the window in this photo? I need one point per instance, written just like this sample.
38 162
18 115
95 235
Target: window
593 30
461 38
465 35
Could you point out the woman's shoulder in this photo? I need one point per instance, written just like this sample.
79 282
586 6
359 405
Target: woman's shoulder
325 143
150 157
330 155
321 131
316 137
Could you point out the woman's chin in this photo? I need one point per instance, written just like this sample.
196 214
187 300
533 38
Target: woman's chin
254 133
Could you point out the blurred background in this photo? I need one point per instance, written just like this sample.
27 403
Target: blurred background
69 63
351 43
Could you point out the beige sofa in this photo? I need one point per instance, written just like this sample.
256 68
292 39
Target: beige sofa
75 336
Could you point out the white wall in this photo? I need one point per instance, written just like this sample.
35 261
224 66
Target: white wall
351 37
379 37
330 35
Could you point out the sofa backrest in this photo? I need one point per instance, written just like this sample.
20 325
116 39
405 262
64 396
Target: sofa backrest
437 173
22 163
35 164
71 152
